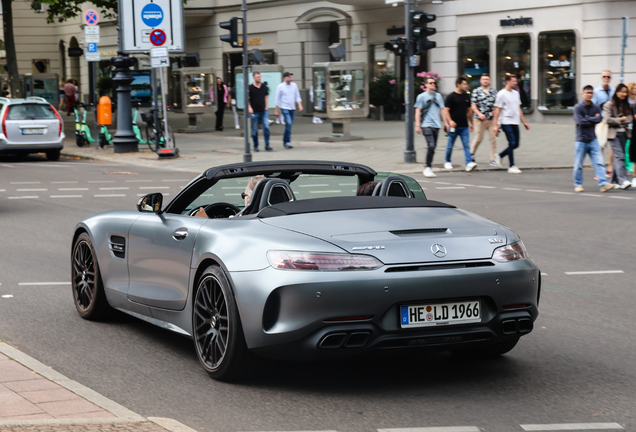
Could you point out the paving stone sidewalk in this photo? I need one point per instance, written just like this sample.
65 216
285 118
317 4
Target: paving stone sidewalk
543 146
33 397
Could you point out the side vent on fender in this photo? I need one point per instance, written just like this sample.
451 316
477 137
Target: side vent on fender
118 246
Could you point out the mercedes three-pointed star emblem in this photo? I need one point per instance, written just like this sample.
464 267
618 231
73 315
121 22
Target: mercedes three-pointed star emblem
438 250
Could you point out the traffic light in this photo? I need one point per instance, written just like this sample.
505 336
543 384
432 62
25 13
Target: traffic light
397 46
421 32
232 26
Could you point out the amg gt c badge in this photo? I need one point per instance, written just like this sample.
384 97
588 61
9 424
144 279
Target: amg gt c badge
438 250
495 240
368 248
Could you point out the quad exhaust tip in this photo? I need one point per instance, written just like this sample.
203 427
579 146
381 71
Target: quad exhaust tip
345 340
514 326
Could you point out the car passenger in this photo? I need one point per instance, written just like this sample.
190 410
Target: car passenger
367 188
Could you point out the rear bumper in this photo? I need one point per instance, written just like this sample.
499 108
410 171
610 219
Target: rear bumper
291 320
9 147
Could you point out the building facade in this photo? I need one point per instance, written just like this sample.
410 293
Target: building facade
554 47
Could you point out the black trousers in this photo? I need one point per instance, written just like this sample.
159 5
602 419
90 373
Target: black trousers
219 117
430 134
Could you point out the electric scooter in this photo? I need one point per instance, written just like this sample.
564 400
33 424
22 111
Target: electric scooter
105 138
82 131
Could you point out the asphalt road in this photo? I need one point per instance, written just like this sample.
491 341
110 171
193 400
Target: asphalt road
576 366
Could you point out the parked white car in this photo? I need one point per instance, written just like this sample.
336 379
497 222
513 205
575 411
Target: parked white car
31 125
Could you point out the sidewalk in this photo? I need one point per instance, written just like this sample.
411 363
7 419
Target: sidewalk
33 397
543 146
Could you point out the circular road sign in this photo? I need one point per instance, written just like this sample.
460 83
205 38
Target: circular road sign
152 15
157 37
91 17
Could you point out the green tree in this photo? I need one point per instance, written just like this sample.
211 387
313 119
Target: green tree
9 46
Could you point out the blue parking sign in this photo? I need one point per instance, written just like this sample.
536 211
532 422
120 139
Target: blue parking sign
92 47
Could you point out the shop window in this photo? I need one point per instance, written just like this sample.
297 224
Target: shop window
557 70
473 58
513 58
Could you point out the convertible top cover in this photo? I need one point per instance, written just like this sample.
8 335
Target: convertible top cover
345 203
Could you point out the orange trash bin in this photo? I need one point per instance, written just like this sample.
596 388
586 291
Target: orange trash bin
105 111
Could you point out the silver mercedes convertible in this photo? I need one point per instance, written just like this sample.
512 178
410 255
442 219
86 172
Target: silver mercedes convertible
306 269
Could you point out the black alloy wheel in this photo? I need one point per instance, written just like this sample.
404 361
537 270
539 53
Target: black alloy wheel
217 332
88 292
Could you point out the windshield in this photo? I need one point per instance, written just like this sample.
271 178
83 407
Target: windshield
31 112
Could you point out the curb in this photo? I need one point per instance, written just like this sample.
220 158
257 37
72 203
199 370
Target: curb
122 414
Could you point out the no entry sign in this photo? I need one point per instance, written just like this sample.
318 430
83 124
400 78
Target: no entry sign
157 37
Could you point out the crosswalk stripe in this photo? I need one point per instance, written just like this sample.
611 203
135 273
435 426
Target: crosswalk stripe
435 429
571 426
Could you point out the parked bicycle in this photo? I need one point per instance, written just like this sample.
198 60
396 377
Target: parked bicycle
165 140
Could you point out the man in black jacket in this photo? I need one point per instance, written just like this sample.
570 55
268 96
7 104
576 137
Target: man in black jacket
586 116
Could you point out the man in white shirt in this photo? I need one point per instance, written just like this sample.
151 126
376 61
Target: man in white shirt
508 113
287 96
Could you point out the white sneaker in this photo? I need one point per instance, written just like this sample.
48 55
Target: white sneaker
626 184
448 166
277 121
498 161
428 172
237 127
514 170
471 166
617 186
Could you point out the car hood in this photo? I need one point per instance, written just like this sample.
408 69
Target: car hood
402 235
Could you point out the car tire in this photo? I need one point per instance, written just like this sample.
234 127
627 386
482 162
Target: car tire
488 351
53 155
217 331
86 281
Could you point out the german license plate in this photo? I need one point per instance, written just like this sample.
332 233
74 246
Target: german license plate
32 131
440 314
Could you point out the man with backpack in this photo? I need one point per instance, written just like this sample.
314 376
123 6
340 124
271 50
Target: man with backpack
429 118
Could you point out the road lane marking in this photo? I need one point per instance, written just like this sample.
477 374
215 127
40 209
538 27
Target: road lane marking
63 182
101 181
234 187
8 166
435 429
487 187
313 185
166 194
72 189
31 190
512 189
467 185
570 426
175 180
439 182
595 272
138 181
534 190
65 196
544 274
326 191
42 283
347 184
592 195
7 296
24 183
153 187
3 190
114 188
450 187
109 195
621 197
563 193
24 197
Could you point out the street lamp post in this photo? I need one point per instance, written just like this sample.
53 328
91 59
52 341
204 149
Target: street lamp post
409 153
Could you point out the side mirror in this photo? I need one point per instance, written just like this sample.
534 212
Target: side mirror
150 203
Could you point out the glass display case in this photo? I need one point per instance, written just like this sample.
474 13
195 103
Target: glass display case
192 90
271 76
557 70
6 90
514 52
340 90
46 86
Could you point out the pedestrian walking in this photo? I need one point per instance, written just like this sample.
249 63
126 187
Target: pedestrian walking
287 97
482 101
619 116
259 113
629 148
222 95
62 104
457 108
429 118
509 114
586 116
233 105
69 91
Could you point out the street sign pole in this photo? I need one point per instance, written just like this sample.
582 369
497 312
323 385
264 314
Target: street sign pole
247 156
95 102
155 105
409 153
624 38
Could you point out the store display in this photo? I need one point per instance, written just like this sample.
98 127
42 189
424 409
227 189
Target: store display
193 90
340 90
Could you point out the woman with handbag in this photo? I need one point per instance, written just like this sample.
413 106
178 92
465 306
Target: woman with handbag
619 116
